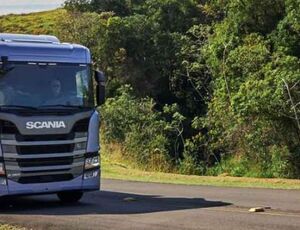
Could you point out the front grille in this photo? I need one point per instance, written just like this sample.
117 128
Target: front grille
45 162
38 158
45 179
44 149
56 137
7 127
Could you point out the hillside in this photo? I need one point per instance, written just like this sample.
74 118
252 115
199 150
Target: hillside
35 23
205 89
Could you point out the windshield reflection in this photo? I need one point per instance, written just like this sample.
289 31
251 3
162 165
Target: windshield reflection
34 85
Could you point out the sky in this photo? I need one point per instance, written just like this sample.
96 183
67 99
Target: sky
4 3
27 6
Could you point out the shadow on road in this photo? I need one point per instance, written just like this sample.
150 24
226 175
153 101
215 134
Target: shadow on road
104 202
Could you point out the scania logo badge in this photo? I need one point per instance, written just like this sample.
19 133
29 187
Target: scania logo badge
45 125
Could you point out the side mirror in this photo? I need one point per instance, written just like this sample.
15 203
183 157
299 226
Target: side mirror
5 66
100 89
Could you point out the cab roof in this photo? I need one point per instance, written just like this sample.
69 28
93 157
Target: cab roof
41 48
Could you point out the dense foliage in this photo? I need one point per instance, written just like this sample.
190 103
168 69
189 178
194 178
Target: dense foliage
200 87
230 68
253 114
145 134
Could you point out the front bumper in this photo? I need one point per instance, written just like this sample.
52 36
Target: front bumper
13 188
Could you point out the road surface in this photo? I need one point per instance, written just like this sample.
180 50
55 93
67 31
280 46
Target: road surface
133 205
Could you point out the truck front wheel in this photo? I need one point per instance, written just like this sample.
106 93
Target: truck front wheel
70 196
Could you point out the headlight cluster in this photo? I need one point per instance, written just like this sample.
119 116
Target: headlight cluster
91 167
91 162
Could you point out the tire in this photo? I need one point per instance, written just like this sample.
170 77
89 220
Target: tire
70 197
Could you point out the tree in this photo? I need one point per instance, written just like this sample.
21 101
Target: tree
119 7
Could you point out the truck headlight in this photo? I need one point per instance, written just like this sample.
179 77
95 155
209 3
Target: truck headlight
91 174
91 162
2 169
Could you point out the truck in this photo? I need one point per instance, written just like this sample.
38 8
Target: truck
49 119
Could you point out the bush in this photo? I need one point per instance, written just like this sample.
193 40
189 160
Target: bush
294 163
143 131
231 166
279 164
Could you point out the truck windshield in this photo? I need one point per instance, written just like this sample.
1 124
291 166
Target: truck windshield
42 85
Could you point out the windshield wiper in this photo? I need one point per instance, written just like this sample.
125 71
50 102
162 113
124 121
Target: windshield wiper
17 107
64 106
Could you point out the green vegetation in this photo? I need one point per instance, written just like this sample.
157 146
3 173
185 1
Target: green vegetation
115 167
195 87
227 71
144 133
9 227
35 23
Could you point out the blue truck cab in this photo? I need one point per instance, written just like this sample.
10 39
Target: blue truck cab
49 124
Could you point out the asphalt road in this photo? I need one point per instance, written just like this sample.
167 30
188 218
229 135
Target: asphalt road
158 206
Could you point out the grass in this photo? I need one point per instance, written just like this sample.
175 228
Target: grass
9 227
33 23
114 167
114 170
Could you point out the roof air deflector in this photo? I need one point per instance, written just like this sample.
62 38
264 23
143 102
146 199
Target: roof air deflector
28 38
